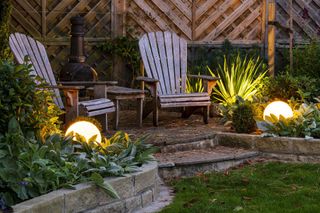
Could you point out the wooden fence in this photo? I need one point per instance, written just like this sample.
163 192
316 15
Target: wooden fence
200 21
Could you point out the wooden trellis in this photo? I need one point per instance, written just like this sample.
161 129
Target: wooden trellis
199 21
49 22
306 19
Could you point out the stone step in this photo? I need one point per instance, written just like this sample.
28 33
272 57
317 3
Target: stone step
208 141
191 162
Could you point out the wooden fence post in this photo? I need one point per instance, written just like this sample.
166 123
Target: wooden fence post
44 19
193 24
264 36
118 8
271 36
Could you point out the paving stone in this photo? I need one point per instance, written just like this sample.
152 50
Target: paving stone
147 198
122 185
133 203
51 202
117 207
145 179
86 196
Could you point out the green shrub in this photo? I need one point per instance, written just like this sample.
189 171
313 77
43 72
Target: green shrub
201 56
304 123
30 167
23 98
286 86
243 117
306 60
127 49
5 13
241 77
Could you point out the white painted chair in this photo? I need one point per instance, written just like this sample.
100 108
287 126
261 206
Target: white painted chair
164 55
23 45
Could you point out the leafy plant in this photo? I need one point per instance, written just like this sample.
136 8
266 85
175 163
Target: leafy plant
305 123
25 97
126 48
305 60
30 167
5 13
243 116
286 86
241 77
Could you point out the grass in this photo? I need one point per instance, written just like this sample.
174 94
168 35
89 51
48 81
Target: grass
268 187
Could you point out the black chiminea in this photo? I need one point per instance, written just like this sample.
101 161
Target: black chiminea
76 69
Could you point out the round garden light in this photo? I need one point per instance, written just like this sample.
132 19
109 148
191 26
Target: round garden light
278 108
85 129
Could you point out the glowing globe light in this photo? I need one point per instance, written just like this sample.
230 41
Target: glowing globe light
85 129
278 108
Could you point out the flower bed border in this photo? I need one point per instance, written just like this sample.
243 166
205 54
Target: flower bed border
136 190
281 148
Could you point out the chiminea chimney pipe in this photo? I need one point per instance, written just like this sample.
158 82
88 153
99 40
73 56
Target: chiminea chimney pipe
76 69
77 40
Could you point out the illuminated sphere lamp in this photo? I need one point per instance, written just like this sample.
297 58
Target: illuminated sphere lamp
278 108
85 129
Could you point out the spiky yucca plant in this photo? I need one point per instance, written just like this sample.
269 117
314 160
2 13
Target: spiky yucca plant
194 85
242 77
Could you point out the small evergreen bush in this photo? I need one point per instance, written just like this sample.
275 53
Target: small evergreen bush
243 117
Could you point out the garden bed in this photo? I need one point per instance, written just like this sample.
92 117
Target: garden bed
136 190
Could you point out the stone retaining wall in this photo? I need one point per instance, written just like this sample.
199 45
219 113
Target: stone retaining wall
282 148
136 190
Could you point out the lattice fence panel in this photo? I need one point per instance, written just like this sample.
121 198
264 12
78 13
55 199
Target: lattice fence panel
306 19
27 17
231 19
154 15
50 23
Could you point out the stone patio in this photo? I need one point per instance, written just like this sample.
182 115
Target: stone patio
172 128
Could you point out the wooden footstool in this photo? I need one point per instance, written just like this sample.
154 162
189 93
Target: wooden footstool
117 93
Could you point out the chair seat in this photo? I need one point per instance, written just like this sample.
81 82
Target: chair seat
96 107
184 100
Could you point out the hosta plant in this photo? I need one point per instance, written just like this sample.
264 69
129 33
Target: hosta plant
304 123
241 77
30 167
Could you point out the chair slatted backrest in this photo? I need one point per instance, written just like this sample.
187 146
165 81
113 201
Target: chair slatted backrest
164 55
23 45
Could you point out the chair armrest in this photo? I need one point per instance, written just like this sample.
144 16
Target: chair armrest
87 83
204 77
146 79
66 87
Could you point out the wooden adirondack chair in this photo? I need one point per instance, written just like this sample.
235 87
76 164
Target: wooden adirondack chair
22 45
164 55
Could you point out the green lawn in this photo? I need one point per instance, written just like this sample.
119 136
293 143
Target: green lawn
268 187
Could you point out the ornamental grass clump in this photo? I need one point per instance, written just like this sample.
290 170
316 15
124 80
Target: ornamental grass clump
242 77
